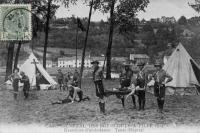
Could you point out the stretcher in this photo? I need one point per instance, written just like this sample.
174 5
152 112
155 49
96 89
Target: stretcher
117 92
121 93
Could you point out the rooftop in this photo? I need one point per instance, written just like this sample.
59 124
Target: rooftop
139 55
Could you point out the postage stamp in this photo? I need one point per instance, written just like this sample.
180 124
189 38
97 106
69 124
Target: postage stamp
15 22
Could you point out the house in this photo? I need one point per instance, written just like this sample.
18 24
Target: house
187 33
168 19
70 62
120 59
139 58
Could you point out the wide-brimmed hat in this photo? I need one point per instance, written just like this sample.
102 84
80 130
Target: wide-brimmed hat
95 62
59 70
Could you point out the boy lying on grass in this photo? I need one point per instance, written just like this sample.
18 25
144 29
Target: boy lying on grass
73 92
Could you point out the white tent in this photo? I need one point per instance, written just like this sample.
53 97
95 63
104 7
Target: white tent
181 67
29 68
184 71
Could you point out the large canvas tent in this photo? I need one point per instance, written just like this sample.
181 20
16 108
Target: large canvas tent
182 68
30 66
184 71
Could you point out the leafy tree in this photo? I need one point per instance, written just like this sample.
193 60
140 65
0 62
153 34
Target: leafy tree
182 20
122 13
62 53
195 6
149 38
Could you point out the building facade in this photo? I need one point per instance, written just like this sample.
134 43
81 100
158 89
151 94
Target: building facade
70 62
139 58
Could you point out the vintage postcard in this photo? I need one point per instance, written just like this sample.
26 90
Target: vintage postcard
100 66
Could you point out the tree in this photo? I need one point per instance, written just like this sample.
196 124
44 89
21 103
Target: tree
85 43
195 6
62 53
46 33
122 13
182 20
149 38
39 9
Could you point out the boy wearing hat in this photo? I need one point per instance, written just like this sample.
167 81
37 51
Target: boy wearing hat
26 82
60 78
141 82
125 81
160 77
15 81
98 81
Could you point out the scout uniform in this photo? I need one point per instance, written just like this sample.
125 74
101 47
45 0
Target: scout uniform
76 78
38 80
141 81
159 85
15 81
26 87
97 78
60 78
125 81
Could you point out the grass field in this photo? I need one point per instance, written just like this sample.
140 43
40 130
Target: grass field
179 110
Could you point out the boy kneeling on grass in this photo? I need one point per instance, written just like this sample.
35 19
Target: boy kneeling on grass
73 92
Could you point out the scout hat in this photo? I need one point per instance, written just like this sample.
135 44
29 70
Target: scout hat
59 70
95 62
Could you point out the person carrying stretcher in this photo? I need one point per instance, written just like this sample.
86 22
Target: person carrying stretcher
140 85
125 84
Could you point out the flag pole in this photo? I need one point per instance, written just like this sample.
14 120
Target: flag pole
76 41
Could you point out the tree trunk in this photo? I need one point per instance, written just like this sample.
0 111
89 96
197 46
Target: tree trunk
17 54
109 48
9 64
85 43
46 34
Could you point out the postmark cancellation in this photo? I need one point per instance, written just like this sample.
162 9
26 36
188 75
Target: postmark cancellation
15 22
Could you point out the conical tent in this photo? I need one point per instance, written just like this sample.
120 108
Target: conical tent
29 68
182 68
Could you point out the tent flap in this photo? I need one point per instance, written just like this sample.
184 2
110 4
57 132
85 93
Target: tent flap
182 68
29 68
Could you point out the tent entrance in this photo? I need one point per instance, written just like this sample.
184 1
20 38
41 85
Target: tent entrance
40 78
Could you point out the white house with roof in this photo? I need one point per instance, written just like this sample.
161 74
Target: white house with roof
139 58
70 62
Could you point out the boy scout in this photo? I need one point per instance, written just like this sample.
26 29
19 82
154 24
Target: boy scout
98 81
26 82
125 81
141 81
160 77
60 78
15 81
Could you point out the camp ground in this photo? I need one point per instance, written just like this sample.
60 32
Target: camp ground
30 66
99 66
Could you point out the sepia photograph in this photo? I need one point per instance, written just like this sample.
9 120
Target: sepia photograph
103 66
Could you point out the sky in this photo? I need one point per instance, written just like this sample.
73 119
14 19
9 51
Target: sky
155 9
